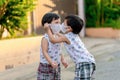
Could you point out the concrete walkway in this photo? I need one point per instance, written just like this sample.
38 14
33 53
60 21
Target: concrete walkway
106 52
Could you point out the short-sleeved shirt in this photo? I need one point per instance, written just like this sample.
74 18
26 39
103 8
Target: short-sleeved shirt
53 51
77 50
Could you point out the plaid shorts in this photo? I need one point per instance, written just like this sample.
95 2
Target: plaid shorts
46 72
84 71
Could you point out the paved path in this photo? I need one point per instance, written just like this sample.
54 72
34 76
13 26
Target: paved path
106 52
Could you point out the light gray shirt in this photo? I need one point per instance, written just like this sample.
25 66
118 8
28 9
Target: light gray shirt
53 51
77 50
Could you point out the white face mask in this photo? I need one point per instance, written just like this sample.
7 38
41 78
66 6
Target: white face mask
63 29
55 28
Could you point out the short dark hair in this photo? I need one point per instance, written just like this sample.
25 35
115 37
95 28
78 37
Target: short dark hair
48 17
75 22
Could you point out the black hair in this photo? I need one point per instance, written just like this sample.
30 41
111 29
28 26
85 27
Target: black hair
48 17
75 22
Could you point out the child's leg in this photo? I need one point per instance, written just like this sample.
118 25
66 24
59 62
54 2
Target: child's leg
45 72
84 71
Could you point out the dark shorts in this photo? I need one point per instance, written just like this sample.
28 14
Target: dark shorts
46 72
84 71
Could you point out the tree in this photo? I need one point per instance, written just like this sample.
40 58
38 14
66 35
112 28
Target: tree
13 15
103 13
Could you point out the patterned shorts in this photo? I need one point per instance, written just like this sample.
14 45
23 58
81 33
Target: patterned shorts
84 71
46 72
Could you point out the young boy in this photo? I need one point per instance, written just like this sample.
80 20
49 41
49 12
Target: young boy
49 67
84 61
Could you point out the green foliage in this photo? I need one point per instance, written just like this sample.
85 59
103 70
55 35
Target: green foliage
2 2
102 13
15 15
115 24
90 13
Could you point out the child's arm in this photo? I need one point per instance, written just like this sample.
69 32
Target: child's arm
63 61
60 38
44 45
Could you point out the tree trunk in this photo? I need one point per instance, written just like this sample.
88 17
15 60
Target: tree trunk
102 12
3 8
1 31
98 13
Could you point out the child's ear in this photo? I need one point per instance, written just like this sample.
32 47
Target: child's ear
69 29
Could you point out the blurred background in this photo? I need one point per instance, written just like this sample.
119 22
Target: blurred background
22 17
21 33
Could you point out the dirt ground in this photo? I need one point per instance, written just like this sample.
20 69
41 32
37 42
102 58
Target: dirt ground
17 52
19 58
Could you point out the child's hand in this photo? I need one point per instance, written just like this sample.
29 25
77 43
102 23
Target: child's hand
54 64
65 64
46 26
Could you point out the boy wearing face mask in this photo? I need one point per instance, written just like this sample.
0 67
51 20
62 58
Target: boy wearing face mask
84 61
50 54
